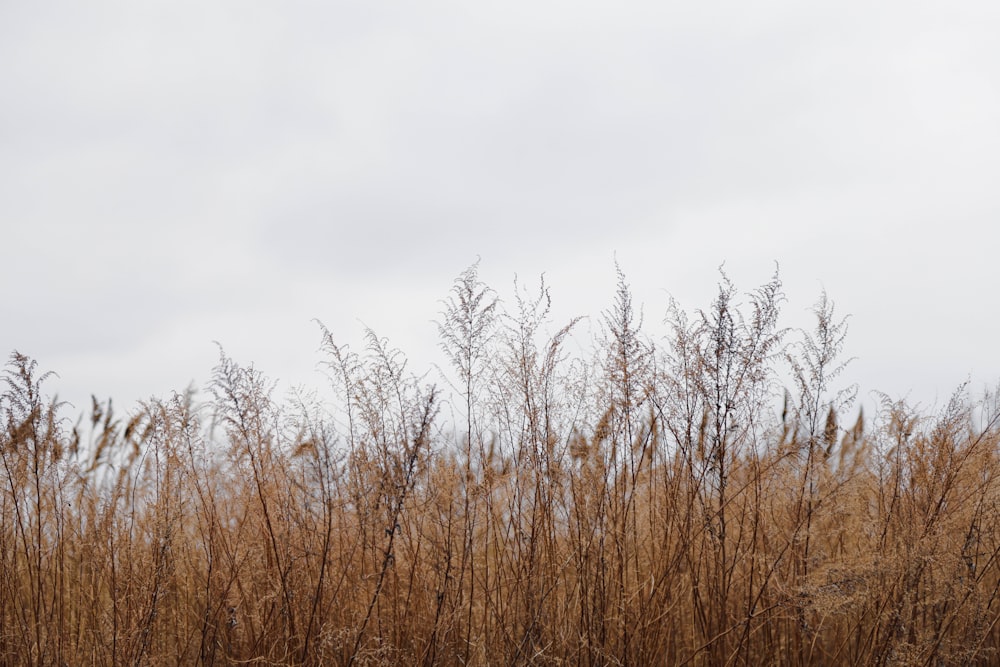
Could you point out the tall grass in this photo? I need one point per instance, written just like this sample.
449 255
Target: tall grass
649 500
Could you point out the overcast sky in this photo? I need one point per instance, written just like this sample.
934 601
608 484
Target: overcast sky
175 173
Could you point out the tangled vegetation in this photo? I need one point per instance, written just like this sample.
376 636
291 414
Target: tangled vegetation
653 501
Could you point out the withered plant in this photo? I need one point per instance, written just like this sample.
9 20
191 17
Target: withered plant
701 494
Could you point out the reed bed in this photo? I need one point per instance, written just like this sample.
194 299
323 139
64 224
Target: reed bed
709 496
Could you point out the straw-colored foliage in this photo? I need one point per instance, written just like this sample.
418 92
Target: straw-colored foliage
656 500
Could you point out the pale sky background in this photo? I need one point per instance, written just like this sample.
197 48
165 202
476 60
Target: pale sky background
174 173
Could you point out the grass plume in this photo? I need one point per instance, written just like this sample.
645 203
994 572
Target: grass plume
630 499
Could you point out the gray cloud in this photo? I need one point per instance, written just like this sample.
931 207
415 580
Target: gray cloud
181 167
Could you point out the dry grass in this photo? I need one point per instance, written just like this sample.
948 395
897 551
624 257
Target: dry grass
654 502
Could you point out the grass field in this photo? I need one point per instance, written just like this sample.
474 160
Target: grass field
708 496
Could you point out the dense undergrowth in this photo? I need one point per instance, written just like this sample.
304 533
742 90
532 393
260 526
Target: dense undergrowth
657 501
